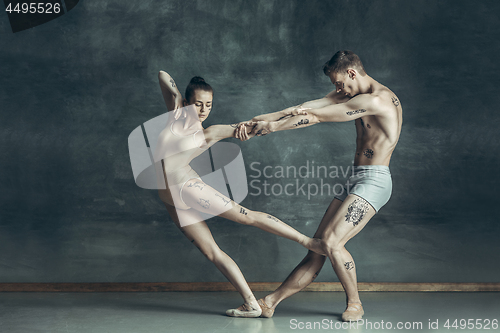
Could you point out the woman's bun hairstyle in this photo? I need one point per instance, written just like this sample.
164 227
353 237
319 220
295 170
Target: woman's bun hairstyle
196 83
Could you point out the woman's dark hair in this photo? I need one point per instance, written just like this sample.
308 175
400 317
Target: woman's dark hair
197 83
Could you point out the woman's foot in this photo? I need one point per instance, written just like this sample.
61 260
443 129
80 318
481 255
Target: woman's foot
246 310
353 312
267 312
314 244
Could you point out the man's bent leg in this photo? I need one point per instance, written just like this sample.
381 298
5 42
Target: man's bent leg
350 219
304 273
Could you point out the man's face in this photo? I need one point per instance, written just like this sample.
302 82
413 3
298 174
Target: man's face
344 83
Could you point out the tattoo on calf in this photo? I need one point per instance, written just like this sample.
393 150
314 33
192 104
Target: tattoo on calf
172 82
243 211
350 113
368 153
356 211
302 122
225 200
368 125
395 101
349 265
272 218
204 203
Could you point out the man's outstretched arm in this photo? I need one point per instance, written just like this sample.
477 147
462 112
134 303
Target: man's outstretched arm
356 107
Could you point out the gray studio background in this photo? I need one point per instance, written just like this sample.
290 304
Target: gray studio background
73 89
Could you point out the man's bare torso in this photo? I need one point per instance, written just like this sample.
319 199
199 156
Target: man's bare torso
376 135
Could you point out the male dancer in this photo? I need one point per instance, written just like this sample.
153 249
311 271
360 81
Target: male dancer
377 114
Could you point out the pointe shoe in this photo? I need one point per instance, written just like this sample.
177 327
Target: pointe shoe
267 312
245 311
353 312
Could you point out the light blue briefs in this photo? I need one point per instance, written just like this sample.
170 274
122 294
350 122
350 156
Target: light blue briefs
370 182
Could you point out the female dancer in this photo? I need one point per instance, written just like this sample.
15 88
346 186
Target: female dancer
186 195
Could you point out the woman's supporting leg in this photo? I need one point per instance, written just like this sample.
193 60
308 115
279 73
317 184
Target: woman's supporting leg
199 234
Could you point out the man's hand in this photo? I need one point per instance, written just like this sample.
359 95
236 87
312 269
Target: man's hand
249 129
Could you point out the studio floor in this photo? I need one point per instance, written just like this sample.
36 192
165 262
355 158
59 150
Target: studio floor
179 312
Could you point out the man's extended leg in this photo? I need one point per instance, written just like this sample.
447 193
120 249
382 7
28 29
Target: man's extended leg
350 219
304 273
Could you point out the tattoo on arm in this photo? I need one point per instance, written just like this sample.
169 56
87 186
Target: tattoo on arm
243 211
285 117
272 218
349 265
368 153
395 101
350 113
302 122
234 125
172 82
356 211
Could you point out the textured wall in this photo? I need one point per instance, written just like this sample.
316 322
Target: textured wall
73 89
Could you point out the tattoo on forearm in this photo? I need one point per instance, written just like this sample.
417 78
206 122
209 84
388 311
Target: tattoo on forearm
172 82
368 153
285 117
204 203
234 125
302 122
243 211
349 265
225 200
350 113
395 101
356 211
272 218
261 132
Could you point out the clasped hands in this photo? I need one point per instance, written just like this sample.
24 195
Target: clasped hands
255 127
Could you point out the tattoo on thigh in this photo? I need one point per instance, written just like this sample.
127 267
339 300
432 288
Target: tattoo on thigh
302 122
350 113
172 82
204 203
315 275
356 211
272 218
395 101
225 200
368 153
243 211
201 186
349 265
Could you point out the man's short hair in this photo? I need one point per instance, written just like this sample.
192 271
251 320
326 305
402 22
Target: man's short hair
343 60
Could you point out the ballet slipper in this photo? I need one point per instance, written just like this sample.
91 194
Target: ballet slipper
245 311
353 312
267 312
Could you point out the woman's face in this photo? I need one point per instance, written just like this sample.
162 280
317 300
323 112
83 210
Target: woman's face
202 101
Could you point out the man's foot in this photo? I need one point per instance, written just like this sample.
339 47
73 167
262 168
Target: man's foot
314 244
245 310
353 312
267 312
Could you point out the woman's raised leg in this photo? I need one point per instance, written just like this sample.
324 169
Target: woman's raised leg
204 198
